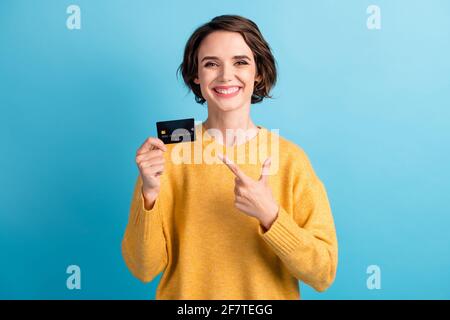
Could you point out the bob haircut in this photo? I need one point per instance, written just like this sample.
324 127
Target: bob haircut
265 62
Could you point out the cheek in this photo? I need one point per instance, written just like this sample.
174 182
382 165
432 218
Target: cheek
249 80
205 78
248 77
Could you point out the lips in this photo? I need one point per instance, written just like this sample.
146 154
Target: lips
226 91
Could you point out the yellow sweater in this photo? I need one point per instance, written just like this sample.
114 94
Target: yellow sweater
208 249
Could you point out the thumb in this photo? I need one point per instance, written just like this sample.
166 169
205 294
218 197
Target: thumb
265 170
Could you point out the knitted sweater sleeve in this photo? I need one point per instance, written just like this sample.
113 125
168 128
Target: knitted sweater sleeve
305 238
144 243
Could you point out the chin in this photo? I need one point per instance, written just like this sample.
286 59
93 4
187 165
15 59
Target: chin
226 106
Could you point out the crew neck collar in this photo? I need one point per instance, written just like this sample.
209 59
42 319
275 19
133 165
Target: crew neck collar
211 139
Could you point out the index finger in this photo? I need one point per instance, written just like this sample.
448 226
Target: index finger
150 144
233 167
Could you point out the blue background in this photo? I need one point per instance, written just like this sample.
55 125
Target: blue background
370 108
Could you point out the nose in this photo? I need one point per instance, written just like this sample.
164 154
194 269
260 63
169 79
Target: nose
226 73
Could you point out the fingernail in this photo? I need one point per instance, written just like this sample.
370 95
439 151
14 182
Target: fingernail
227 160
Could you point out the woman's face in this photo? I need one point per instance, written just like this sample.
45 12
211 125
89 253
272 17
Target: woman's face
226 70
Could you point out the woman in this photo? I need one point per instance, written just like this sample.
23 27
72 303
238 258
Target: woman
230 229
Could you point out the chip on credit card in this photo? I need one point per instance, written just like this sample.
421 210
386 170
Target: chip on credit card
175 131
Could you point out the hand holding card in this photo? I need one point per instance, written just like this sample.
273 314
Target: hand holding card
150 161
150 156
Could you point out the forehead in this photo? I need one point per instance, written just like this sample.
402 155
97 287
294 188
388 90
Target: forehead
224 44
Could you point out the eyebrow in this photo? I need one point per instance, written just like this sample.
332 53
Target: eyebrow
217 58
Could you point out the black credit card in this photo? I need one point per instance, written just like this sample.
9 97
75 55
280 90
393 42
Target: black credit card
175 131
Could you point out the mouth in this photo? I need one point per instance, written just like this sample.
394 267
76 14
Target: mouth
226 92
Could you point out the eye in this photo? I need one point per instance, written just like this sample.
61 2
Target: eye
210 64
242 62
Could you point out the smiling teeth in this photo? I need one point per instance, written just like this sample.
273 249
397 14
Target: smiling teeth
229 91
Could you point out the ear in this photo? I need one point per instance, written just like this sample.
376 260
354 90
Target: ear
258 78
196 81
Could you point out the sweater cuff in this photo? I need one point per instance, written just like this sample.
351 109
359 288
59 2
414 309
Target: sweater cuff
284 236
142 205
143 219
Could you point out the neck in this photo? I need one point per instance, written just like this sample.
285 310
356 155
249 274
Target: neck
235 120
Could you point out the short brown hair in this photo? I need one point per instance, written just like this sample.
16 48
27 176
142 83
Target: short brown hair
265 62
